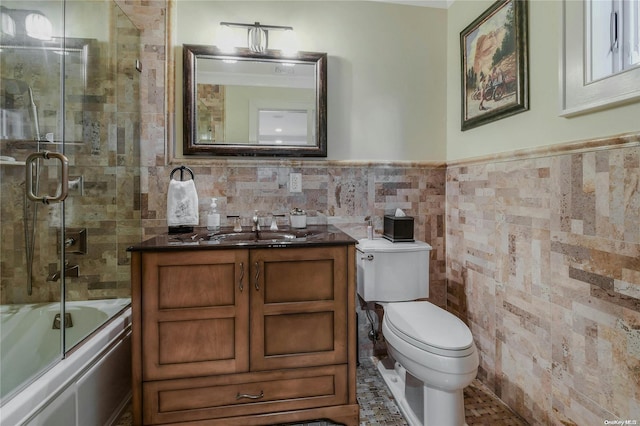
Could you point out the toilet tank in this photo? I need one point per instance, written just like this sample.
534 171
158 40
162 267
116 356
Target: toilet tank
392 272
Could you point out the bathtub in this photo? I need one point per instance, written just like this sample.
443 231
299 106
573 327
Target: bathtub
90 386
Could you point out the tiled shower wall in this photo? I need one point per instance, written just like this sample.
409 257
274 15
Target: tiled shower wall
543 260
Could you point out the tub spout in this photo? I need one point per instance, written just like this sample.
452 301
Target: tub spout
68 321
69 271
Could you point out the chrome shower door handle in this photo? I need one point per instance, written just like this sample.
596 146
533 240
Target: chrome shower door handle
64 177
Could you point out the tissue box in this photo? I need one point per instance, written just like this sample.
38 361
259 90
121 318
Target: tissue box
398 228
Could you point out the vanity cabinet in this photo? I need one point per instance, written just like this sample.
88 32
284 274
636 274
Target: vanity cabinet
244 336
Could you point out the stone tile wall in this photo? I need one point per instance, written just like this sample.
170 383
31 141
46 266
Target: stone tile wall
543 261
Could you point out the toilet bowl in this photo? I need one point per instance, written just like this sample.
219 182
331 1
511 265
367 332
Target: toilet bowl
439 355
432 353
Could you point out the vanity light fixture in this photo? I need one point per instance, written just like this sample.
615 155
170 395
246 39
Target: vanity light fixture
25 23
257 34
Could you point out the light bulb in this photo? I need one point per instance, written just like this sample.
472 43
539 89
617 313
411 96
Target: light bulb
257 39
38 26
8 25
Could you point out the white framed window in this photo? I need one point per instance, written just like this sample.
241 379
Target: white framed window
600 55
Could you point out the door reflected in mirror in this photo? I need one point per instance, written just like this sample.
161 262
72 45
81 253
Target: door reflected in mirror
254 104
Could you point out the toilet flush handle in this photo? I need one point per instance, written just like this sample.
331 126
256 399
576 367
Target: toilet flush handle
367 257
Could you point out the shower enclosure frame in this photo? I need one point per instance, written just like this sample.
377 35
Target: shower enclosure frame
71 150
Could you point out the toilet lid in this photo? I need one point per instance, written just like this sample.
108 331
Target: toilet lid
366 245
430 328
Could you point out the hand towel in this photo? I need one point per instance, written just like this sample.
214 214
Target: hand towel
182 203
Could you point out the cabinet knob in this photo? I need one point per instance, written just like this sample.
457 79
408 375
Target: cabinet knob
241 276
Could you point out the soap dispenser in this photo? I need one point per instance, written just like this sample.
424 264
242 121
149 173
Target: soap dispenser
213 217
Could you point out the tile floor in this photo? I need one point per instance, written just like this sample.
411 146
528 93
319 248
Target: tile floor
378 408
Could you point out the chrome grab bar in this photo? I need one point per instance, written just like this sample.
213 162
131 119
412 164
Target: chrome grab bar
64 178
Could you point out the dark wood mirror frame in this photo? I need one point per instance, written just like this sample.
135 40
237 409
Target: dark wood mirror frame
192 52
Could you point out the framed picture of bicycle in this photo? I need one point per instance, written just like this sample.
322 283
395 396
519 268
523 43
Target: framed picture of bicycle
494 53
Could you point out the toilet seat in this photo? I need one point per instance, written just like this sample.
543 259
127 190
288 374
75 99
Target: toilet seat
430 328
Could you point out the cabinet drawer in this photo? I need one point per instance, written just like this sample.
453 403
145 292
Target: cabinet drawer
244 394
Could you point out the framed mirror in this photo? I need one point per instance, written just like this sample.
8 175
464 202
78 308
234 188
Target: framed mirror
254 104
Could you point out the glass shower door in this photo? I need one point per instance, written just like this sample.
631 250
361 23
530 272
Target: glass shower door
69 126
32 169
102 142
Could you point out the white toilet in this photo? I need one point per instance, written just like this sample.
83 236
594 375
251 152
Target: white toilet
434 353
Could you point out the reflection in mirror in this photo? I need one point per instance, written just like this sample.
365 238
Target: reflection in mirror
284 127
254 103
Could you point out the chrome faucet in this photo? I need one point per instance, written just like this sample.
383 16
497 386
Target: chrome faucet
256 224
69 271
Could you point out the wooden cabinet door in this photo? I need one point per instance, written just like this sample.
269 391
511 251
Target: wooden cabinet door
195 313
298 307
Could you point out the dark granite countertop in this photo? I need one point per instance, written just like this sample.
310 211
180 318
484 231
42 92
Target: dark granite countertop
226 238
